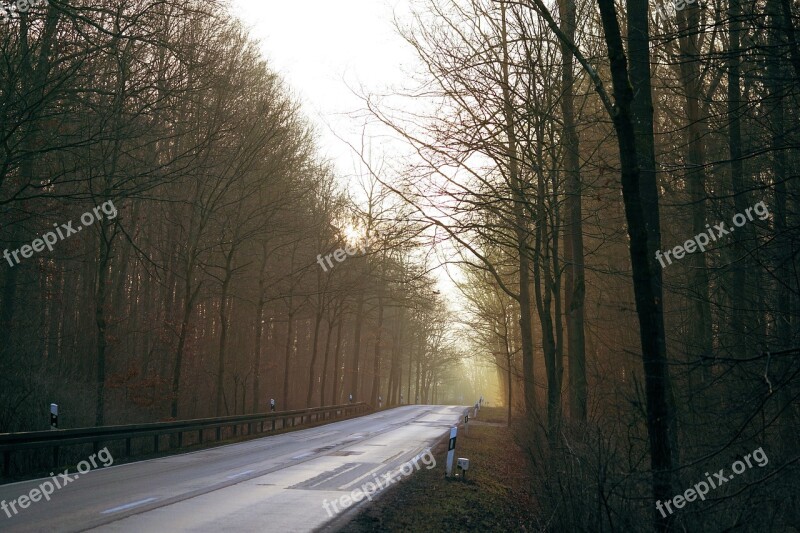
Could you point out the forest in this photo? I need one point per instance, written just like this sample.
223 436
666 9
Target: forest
615 184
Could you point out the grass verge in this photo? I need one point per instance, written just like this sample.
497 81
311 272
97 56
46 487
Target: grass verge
493 497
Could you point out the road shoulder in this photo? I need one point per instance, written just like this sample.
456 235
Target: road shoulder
494 496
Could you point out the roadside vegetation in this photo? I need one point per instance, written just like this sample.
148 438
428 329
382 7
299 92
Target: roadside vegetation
494 496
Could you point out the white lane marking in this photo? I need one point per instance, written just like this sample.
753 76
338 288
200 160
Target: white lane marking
308 454
128 506
241 474
320 436
335 475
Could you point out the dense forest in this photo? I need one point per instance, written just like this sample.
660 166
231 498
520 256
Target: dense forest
202 294
622 184
615 182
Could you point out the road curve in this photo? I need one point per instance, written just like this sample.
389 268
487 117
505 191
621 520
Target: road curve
278 483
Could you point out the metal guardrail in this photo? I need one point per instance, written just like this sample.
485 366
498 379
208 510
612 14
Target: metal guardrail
14 442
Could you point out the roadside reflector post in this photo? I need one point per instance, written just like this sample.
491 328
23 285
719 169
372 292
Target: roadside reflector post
466 422
451 450
53 416
476 411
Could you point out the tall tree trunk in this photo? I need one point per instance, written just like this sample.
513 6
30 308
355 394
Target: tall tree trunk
262 301
410 370
336 352
259 336
189 297
353 382
543 307
418 382
738 327
783 244
312 374
573 245
646 282
287 360
223 336
700 332
520 227
376 365
783 240
325 360
100 321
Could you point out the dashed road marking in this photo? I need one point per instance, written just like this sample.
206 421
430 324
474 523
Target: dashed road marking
128 506
240 474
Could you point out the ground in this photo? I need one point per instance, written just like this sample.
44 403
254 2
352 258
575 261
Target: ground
494 496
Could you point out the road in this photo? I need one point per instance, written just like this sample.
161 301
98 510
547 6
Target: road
278 483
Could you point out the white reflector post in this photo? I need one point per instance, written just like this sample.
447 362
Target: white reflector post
53 416
451 450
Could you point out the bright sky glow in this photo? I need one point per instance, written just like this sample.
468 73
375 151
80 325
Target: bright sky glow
326 49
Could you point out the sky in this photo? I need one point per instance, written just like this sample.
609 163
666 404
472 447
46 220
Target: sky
327 49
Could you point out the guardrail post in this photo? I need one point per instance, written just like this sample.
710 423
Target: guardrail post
128 447
7 463
180 439
55 456
200 436
219 437
155 443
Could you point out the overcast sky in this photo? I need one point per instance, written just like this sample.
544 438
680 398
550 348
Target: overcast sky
323 48
326 48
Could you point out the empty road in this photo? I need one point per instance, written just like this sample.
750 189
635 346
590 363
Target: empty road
277 483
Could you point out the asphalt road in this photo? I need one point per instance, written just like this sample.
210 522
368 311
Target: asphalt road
279 483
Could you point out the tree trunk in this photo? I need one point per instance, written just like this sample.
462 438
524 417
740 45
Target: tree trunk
520 228
312 374
738 328
100 320
700 337
353 382
336 352
223 336
287 359
376 364
573 246
646 283
325 359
